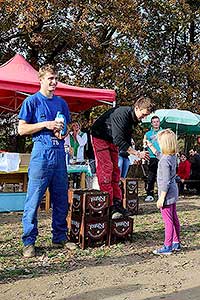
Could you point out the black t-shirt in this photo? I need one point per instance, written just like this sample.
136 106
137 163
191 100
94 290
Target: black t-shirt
116 126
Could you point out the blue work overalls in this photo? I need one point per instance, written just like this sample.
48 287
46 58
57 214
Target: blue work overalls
47 169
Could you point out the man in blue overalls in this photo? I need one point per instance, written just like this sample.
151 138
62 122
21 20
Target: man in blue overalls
47 168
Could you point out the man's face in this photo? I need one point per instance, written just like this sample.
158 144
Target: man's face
155 123
191 152
49 82
141 113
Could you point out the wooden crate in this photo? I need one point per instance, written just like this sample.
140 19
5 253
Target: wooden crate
129 188
87 231
121 229
93 203
94 231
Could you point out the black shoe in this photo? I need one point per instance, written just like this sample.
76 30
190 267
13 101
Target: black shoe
120 209
114 214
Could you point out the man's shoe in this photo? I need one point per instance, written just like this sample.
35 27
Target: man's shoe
149 199
176 246
29 251
65 244
114 214
120 209
165 250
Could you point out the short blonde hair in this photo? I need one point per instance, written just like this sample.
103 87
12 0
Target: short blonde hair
167 142
46 69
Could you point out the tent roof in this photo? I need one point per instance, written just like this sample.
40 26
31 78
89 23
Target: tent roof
18 78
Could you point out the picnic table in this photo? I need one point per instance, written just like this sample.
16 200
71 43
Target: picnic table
21 176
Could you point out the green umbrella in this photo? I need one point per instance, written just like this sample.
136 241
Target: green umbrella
180 121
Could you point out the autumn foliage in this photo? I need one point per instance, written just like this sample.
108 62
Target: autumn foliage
134 47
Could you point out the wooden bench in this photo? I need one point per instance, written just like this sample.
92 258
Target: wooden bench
190 181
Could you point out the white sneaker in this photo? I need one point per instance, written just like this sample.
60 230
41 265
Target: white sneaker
149 199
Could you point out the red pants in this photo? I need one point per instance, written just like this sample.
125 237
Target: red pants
108 173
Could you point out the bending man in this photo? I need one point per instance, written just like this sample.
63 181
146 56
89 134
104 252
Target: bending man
112 133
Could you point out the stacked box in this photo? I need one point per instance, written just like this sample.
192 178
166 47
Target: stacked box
129 188
88 217
121 229
93 203
94 231
75 227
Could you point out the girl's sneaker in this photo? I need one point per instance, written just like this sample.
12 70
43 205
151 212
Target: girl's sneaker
176 246
165 250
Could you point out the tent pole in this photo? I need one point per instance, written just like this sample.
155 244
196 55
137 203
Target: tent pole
106 102
177 130
22 93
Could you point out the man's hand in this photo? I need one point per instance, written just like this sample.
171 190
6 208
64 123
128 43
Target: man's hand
54 125
143 155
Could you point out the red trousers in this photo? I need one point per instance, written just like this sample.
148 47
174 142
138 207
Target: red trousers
107 170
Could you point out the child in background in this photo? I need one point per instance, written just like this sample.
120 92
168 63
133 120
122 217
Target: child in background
167 190
183 172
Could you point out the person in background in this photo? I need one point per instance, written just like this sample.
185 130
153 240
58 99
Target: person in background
47 168
194 159
124 162
151 135
91 181
76 141
111 133
167 190
183 172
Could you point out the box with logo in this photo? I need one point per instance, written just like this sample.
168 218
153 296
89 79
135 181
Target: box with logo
129 188
93 203
94 232
74 228
121 229
77 202
88 231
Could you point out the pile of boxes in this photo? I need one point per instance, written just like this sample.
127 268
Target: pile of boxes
129 188
89 219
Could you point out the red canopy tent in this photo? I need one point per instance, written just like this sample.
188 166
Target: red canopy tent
19 79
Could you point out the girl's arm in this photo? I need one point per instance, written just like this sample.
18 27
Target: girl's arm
161 199
150 145
164 181
153 149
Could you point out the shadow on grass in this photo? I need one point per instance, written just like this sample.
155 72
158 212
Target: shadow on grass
123 290
140 250
192 293
144 241
106 293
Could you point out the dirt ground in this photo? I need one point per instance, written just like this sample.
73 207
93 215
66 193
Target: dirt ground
121 272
